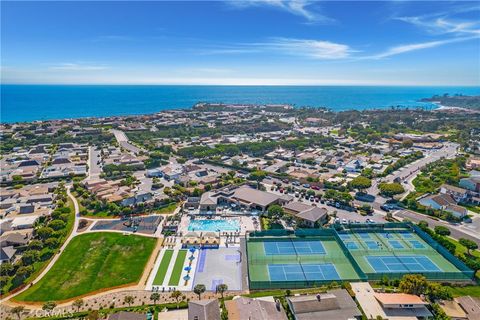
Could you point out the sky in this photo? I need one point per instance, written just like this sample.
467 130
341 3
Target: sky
271 42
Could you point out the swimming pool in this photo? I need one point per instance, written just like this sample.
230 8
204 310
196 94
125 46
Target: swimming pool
214 225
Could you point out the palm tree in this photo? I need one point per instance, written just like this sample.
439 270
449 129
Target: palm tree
129 300
221 288
155 297
176 295
49 306
199 289
78 304
18 311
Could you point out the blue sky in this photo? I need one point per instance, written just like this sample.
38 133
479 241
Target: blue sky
241 42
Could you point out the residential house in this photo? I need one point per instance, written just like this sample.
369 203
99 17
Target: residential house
333 305
444 202
398 306
207 309
265 308
462 308
471 183
459 194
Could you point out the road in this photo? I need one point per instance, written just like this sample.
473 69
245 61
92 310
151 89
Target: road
410 171
122 140
455 230
57 255
94 169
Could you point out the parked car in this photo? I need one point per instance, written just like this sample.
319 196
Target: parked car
385 208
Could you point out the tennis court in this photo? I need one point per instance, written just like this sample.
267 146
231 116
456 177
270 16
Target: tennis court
384 264
302 272
395 244
351 245
416 244
293 247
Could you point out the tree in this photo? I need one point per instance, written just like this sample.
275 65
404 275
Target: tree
436 291
391 189
257 175
360 183
78 304
442 230
469 244
275 211
199 289
56 224
221 288
155 297
413 284
49 306
129 300
423 225
18 310
177 295
45 232
93 315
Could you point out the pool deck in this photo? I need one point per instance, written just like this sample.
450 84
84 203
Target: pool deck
245 222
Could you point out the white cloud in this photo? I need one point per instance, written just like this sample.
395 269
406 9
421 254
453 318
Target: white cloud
414 47
68 66
300 8
315 49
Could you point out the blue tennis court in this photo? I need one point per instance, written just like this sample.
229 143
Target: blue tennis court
297 272
351 245
364 235
406 235
384 264
293 247
386 235
344 236
372 245
395 244
416 244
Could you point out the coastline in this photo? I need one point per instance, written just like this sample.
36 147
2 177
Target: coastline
42 103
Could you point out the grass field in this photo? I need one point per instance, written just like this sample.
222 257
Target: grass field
92 262
163 267
177 268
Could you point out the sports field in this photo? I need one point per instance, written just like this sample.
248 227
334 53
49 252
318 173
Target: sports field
178 268
162 269
297 262
91 262
394 251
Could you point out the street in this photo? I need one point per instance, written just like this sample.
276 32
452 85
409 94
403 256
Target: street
122 140
455 230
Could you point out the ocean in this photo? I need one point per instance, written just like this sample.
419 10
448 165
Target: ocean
21 103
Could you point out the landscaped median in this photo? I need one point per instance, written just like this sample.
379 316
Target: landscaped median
93 262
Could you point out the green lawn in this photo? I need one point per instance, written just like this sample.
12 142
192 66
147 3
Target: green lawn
162 269
168 209
177 268
473 291
91 262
